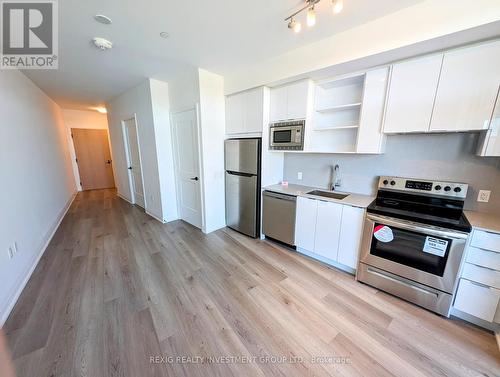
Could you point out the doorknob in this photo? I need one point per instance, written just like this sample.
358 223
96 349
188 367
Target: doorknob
108 162
130 168
194 179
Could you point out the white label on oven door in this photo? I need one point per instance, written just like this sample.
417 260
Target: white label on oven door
435 246
383 233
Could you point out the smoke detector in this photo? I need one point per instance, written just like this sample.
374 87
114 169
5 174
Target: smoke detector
101 18
102 44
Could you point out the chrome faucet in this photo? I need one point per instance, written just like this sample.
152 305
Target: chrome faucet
336 177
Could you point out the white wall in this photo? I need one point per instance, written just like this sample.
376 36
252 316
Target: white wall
213 130
36 179
184 90
81 119
421 22
164 145
137 101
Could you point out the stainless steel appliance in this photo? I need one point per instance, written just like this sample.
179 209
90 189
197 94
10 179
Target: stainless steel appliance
242 165
413 241
287 135
278 217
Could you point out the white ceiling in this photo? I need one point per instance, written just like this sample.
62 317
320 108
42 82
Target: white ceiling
219 35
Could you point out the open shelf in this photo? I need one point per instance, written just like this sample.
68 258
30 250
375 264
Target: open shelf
331 109
333 128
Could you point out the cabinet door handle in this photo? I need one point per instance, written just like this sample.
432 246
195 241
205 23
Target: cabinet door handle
479 284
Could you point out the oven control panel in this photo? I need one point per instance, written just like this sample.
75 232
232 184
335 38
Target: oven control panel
442 188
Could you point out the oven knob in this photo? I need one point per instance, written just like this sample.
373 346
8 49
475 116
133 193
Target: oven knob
457 189
447 188
437 188
386 182
393 183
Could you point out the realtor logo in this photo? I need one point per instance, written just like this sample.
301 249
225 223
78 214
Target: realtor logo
29 34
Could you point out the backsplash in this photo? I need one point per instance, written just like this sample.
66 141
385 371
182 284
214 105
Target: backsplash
449 157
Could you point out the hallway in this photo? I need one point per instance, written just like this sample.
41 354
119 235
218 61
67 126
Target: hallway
117 292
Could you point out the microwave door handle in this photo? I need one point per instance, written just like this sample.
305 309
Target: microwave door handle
402 224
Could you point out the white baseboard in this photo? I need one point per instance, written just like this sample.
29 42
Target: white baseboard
124 197
45 243
156 217
328 261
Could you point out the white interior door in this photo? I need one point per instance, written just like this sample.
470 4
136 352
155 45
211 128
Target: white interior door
187 166
134 161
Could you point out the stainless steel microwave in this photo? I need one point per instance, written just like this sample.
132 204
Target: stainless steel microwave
287 135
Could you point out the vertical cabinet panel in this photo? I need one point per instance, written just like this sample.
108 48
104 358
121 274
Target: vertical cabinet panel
234 114
370 136
297 101
279 101
350 236
327 235
411 94
305 224
467 89
491 139
253 116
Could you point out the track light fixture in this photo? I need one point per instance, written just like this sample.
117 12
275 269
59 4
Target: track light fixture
293 24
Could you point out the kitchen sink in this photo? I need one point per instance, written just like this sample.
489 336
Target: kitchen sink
328 194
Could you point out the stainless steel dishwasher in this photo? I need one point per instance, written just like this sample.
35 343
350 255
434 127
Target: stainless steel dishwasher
278 220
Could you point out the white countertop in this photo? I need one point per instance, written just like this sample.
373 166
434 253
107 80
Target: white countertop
354 200
484 221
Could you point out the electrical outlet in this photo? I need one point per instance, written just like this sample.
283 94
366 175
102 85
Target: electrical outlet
484 196
299 176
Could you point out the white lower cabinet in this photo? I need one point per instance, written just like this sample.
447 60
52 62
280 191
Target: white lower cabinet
478 291
329 230
477 299
350 235
305 223
328 223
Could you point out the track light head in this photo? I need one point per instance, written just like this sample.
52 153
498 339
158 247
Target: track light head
337 6
311 16
294 25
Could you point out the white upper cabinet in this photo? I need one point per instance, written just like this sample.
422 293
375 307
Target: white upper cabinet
253 110
370 138
467 88
245 112
291 101
490 143
279 100
305 223
326 241
234 114
412 90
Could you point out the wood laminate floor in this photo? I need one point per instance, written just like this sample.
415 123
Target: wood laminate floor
119 294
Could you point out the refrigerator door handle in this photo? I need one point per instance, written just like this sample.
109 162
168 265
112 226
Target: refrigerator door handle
240 174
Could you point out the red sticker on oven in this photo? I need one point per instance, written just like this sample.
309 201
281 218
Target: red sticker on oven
383 233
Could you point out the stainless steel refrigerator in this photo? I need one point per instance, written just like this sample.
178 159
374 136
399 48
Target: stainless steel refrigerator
242 165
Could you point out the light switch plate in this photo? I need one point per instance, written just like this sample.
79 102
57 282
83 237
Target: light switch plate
484 196
299 176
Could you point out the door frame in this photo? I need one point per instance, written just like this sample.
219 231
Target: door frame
200 161
127 158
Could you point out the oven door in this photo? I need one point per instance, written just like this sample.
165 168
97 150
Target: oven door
428 255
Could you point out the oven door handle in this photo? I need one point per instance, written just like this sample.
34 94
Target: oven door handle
408 225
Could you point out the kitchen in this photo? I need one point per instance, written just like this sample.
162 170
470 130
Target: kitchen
384 173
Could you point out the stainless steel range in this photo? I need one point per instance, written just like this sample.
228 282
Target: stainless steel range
414 239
